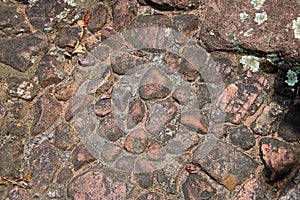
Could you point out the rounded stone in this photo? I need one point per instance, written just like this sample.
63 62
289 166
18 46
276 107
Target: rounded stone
136 141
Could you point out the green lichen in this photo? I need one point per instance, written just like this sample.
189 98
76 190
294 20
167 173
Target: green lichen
32 1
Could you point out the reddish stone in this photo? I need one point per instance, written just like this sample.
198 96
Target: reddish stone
98 19
251 190
2 113
76 105
136 112
18 193
195 121
50 70
64 91
64 137
196 187
111 152
154 150
225 30
81 157
263 123
155 85
43 165
278 157
11 154
143 33
110 128
136 141
68 37
16 128
102 107
17 109
124 62
123 12
192 168
238 98
17 52
225 164
64 175
21 88
160 114
149 196
186 23
98 184
46 111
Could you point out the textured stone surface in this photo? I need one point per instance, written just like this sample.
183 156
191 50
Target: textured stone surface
81 157
226 164
136 112
292 189
64 137
136 141
278 157
46 111
289 128
195 121
22 88
155 85
102 107
110 128
98 18
241 137
160 113
18 193
50 70
186 23
12 22
225 30
123 12
2 113
11 154
238 98
64 175
97 184
263 123
196 187
45 13
43 165
142 32
17 52
149 196
68 37
251 190
76 105
64 91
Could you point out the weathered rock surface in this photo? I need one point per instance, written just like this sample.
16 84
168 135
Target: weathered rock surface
81 157
233 24
46 111
43 165
17 52
98 18
278 157
11 154
226 164
98 184
251 190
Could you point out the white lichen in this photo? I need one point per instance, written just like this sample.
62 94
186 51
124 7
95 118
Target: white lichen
296 27
248 32
260 18
257 4
63 15
32 1
71 2
250 61
292 78
243 16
